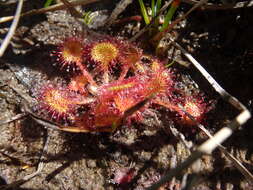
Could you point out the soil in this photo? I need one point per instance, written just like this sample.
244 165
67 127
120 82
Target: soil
221 40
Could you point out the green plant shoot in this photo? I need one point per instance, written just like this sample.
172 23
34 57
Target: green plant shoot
170 14
144 12
48 3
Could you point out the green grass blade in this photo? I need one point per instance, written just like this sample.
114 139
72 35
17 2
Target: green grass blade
170 64
86 16
144 12
90 20
158 6
48 3
153 8
170 14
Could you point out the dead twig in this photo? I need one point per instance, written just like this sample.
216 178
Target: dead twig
71 9
58 6
121 6
40 120
181 137
22 94
12 29
14 118
236 162
223 93
206 148
8 3
219 137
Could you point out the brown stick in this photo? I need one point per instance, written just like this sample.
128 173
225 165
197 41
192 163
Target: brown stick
208 146
12 29
58 6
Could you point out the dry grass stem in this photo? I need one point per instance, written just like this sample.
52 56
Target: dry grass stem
22 94
120 7
12 29
180 137
58 6
208 146
236 162
51 125
223 93
14 118
72 9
